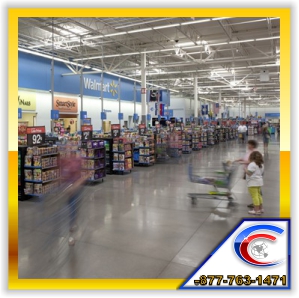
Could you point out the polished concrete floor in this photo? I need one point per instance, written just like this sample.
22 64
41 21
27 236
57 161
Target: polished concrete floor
143 225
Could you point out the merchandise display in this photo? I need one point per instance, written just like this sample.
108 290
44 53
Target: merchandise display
175 143
196 140
41 170
161 145
93 160
144 150
187 141
122 155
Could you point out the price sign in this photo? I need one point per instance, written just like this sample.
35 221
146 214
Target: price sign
171 127
142 129
86 132
115 130
35 135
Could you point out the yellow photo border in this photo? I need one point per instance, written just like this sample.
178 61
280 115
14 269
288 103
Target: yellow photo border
114 284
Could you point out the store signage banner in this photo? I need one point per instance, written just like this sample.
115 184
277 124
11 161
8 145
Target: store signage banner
27 101
115 130
86 121
35 135
155 95
142 129
162 109
86 132
65 104
272 115
204 109
120 116
22 128
169 113
19 113
148 117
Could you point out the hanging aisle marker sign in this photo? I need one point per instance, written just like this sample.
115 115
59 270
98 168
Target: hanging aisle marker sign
142 129
86 132
35 135
115 130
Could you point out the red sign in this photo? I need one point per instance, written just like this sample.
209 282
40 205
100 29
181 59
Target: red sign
223 123
141 125
143 90
35 129
206 122
86 128
115 126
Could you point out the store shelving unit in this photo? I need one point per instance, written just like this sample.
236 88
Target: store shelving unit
41 170
93 160
175 144
204 138
108 144
186 142
210 135
122 156
251 130
161 144
21 174
144 151
196 140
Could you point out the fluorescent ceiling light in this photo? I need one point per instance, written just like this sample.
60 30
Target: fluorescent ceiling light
50 57
115 34
128 54
196 22
218 44
267 38
216 19
240 41
140 30
190 43
167 26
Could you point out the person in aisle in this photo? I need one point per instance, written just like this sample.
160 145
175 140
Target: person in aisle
254 177
242 130
251 146
71 173
266 137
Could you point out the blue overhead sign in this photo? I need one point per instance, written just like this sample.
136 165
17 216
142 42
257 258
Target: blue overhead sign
54 114
272 115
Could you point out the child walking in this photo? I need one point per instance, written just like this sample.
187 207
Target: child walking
254 177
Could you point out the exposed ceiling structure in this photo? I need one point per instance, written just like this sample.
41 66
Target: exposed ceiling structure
226 54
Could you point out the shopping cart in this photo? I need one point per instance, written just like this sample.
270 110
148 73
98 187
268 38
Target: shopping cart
222 180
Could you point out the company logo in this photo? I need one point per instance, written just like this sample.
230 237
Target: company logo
113 89
254 248
23 102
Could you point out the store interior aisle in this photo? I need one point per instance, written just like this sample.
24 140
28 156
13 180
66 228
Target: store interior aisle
143 225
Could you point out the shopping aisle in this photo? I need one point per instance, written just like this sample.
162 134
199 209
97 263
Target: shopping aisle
143 225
